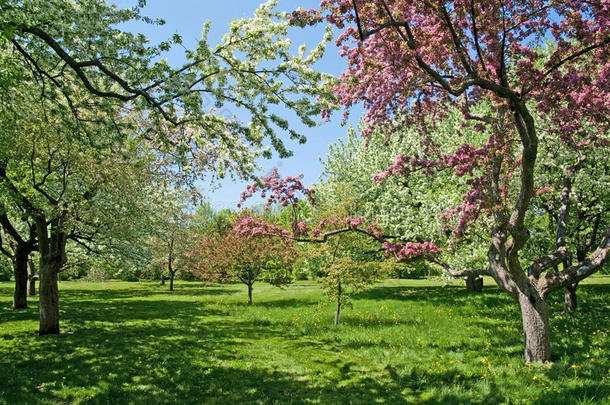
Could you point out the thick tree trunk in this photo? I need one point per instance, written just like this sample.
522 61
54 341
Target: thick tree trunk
49 298
162 279
338 313
52 248
474 283
570 297
20 268
249 294
171 281
535 328
31 279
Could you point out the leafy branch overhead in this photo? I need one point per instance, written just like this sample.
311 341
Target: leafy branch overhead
249 72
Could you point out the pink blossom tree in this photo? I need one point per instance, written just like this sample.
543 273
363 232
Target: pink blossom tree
245 257
415 59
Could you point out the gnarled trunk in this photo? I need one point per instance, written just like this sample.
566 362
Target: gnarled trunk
536 329
52 247
20 269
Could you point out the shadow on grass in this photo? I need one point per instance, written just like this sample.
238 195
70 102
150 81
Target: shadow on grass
174 363
285 303
75 294
138 349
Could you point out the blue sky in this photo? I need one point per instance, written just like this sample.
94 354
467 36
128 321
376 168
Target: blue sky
186 18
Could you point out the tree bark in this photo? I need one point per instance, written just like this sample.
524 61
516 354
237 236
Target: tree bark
570 297
52 248
170 264
474 284
249 294
31 279
20 268
49 298
536 328
162 279
338 313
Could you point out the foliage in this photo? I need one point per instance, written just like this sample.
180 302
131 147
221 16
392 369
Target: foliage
207 221
411 341
407 208
250 70
346 277
245 258
6 269
99 116
425 58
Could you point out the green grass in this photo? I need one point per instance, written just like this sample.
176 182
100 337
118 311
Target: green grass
414 342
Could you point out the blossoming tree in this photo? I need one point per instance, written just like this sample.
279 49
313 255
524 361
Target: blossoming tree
71 61
415 59
245 257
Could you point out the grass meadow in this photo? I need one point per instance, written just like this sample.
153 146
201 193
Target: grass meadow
402 342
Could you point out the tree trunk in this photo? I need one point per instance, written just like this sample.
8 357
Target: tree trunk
535 328
52 248
49 298
162 279
31 279
338 313
170 264
474 283
570 297
20 268
249 294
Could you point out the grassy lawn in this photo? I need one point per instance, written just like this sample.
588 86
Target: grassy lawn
403 342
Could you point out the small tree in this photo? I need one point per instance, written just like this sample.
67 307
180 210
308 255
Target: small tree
247 258
345 278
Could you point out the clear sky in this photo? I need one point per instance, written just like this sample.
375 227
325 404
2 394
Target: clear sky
186 18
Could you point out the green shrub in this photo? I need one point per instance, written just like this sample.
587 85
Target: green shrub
6 269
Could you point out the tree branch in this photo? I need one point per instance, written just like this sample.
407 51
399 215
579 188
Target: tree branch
573 274
546 262
457 273
562 217
576 55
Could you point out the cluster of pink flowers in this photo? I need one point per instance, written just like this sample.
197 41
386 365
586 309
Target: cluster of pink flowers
302 17
389 73
254 226
375 230
278 190
464 161
410 250
544 190
353 223
300 229
317 230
